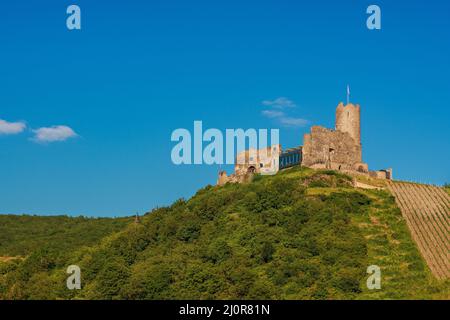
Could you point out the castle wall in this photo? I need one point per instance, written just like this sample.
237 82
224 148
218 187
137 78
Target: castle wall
381 174
325 148
264 161
223 178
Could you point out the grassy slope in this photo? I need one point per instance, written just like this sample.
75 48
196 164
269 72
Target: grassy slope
390 246
274 238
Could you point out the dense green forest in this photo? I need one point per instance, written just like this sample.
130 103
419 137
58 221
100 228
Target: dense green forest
21 235
300 234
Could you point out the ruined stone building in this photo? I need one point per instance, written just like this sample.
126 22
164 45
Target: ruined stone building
339 149
249 162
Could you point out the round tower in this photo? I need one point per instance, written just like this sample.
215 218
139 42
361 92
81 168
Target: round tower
348 120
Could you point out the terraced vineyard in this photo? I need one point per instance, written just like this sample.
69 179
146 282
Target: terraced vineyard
426 210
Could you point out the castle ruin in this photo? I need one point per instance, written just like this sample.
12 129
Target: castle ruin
339 149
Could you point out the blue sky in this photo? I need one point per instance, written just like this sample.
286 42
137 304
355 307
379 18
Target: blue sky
140 69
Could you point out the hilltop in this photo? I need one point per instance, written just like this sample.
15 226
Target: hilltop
300 234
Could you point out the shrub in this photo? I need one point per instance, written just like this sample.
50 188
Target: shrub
267 252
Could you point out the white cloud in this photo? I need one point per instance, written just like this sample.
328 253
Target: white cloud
282 117
11 127
272 113
280 103
54 133
293 122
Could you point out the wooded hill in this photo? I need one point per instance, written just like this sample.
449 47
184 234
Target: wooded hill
300 234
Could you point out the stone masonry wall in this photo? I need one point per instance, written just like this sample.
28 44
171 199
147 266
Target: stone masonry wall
348 120
325 148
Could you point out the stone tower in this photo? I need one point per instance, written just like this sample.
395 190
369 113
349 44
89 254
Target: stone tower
348 120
